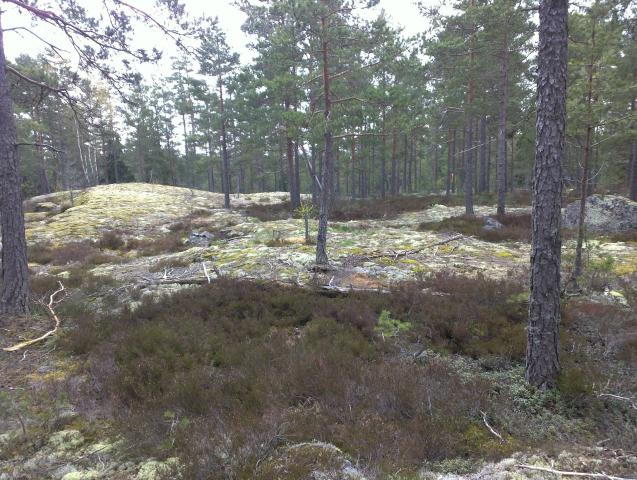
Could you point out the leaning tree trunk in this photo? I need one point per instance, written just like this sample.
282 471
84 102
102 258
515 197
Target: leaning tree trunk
502 125
542 357
14 293
328 161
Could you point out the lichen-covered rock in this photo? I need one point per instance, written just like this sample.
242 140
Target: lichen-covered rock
66 440
492 224
309 461
604 213
82 475
156 470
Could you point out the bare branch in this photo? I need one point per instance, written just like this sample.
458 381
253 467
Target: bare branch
56 319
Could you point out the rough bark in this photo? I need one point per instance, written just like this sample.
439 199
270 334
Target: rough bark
328 161
14 293
542 358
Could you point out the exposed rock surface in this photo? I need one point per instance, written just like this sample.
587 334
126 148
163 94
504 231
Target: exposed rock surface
604 213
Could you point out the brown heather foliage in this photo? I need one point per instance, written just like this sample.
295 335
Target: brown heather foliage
222 374
370 209
516 228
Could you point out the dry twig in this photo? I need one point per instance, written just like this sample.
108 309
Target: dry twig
491 429
56 319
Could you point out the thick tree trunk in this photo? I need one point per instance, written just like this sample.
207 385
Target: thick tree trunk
502 127
14 293
542 357
328 161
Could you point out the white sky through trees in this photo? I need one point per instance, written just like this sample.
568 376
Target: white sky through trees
401 13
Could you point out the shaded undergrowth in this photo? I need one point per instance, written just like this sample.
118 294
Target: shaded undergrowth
375 208
516 228
224 374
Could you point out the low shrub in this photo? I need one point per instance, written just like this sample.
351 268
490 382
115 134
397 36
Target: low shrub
169 243
516 228
64 254
111 240
168 263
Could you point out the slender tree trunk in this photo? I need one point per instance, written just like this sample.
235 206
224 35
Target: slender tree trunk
383 168
482 182
297 175
405 159
502 126
633 161
353 159
542 357
394 164
291 177
315 182
449 161
326 192
488 184
14 293
469 168
585 165
633 170
225 173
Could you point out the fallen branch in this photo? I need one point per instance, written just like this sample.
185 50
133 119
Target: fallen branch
632 402
205 271
56 319
573 474
491 429
404 253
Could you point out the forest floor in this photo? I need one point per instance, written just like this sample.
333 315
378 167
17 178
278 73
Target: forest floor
419 301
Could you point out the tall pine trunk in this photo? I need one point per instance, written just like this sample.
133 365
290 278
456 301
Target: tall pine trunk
328 161
468 174
225 172
542 356
585 164
482 181
633 161
14 293
502 128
